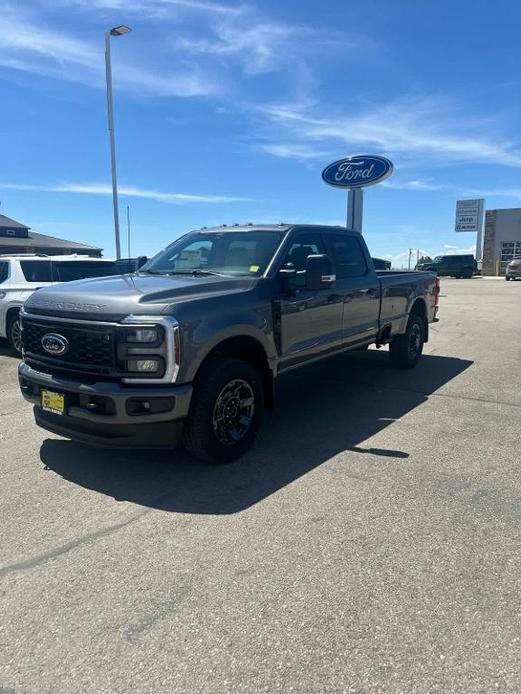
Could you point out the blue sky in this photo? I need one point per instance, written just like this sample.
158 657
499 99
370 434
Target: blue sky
227 112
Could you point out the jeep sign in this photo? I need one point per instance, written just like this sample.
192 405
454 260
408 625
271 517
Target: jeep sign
469 215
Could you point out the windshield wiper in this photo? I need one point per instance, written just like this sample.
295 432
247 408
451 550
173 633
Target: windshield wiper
196 272
151 272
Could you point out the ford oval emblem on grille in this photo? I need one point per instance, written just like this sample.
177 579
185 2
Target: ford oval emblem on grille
55 344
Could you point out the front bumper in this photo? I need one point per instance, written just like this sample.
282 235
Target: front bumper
514 274
110 414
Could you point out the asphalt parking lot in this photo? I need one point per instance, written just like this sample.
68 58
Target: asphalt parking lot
369 543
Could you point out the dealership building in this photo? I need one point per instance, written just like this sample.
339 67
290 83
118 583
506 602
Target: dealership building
17 238
501 239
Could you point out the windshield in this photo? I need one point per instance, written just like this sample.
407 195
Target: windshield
66 270
231 253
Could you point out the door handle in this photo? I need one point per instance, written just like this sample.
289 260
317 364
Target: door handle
370 292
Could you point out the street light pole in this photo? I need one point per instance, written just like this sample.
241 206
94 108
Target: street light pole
117 31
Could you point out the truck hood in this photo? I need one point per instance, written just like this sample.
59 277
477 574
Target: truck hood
113 298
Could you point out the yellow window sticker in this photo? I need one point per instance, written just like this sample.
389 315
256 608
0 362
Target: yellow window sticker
254 268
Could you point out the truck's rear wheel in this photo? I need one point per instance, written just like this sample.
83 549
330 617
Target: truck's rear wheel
226 411
14 333
405 350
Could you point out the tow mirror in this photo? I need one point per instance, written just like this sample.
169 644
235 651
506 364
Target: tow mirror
320 273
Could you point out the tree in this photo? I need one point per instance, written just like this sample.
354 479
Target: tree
425 259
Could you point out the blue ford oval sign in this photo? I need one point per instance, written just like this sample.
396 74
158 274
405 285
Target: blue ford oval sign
357 172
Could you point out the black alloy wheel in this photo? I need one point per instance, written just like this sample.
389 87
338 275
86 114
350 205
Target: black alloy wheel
226 410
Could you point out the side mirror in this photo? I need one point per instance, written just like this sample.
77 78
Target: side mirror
320 273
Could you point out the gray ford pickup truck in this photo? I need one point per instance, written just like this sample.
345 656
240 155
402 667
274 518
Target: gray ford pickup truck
189 347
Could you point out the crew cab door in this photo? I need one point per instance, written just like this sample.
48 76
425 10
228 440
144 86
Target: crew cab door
357 286
310 320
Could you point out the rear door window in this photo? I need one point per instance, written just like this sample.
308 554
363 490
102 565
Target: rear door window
37 270
348 256
4 271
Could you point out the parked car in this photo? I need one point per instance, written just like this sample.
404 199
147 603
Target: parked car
381 264
461 266
129 265
189 348
21 275
513 271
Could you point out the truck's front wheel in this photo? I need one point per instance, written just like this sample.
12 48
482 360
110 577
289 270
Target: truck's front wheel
405 350
226 411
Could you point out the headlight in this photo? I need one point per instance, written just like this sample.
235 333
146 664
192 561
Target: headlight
143 336
148 349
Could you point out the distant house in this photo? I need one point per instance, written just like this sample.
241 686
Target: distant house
17 238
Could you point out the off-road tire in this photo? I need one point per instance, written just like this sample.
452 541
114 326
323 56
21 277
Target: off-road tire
405 350
201 437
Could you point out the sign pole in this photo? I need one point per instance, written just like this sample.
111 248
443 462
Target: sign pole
479 237
355 209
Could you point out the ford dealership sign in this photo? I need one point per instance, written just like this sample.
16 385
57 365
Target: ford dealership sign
358 171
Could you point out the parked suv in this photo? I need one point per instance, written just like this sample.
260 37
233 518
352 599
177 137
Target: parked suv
21 275
513 271
452 266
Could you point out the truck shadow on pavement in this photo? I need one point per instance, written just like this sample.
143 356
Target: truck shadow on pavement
321 410
6 351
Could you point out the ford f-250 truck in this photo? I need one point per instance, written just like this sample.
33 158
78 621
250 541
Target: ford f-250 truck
189 347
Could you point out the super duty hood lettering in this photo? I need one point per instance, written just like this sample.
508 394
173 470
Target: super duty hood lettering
68 306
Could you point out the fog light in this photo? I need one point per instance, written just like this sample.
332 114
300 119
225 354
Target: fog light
141 406
144 365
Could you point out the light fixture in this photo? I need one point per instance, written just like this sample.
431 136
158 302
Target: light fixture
120 30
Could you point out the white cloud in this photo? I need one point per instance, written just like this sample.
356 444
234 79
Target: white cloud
294 151
427 186
29 46
496 192
415 184
230 32
454 250
187 64
149 7
407 129
130 191
262 45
